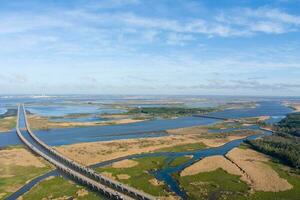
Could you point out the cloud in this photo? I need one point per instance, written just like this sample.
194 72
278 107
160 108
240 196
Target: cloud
242 84
260 20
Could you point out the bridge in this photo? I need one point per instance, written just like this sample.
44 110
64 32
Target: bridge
84 175
211 117
219 118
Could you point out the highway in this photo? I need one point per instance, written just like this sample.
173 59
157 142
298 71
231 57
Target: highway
84 175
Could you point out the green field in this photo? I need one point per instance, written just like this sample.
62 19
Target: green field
140 174
179 160
60 188
13 177
213 185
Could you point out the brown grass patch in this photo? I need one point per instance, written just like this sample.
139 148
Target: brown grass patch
82 192
155 182
39 122
125 164
209 164
20 156
263 177
7 123
108 174
123 176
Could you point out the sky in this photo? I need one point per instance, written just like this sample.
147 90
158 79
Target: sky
182 47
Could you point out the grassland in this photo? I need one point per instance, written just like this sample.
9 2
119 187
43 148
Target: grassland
217 184
44 123
179 160
284 172
140 175
60 188
168 112
17 166
7 123
184 147
176 140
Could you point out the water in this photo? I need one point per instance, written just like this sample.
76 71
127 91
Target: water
89 118
2 110
31 184
166 173
143 129
162 175
59 111
264 108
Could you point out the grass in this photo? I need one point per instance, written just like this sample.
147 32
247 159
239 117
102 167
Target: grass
58 187
179 160
140 174
184 147
221 185
13 177
217 184
167 112
7 123
224 125
284 172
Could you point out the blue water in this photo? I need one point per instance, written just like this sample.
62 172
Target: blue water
142 129
62 110
264 108
90 118
2 110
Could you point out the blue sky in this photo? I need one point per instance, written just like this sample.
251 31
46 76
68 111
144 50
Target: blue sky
150 47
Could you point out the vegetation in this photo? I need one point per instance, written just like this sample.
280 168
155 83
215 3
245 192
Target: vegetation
7 123
140 175
179 160
183 148
290 124
291 176
13 177
217 184
224 125
60 188
221 185
284 143
167 112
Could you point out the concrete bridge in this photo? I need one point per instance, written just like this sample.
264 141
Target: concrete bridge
211 117
110 188
214 117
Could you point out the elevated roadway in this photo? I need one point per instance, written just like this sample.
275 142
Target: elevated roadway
108 187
